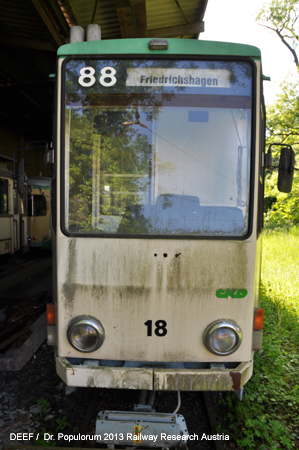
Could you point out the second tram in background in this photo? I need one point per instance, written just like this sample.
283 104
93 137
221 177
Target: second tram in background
39 212
13 213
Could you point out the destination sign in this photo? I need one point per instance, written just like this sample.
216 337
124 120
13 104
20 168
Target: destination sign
211 78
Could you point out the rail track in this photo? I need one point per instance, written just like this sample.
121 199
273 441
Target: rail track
23 274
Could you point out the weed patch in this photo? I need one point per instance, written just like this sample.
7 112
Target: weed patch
57 424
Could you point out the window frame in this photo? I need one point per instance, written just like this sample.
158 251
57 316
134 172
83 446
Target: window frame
32 203
249 60
5 184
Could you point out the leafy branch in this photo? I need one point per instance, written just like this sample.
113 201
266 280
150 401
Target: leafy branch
281 16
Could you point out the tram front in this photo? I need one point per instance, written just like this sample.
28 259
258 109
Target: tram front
158 186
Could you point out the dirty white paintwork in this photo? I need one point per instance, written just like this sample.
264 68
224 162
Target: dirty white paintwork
152 378
123 289
106 377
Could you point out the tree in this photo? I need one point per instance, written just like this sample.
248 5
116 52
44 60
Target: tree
283 116
283 126
281 16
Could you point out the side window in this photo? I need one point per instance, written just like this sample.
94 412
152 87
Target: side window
25 204
40 205
15 202
37 205
3 196
30 205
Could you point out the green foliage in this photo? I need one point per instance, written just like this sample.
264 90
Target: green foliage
269 418
44 406
282 210
108 168
61 423
281 16
283 116
57 424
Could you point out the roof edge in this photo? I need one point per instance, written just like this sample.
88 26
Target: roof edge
175 46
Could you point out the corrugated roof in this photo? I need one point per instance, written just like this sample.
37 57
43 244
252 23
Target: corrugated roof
128 18
175 14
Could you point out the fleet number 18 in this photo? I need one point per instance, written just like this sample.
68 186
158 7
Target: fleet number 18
160 329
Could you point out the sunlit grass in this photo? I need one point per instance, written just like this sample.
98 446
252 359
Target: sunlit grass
280 268
269 419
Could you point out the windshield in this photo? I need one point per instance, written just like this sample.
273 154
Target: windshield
157 147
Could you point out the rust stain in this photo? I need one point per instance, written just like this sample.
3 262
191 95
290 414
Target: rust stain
236 377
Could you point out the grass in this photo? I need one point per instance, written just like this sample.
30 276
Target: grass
269 418
281 265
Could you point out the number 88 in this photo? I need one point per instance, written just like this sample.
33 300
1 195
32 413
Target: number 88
88 73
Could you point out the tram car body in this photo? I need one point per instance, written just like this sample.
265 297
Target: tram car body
13 213
158 191
39 211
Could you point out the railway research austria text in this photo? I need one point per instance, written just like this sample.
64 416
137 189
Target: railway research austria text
125 437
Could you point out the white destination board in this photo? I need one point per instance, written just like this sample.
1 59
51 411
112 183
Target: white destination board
211 78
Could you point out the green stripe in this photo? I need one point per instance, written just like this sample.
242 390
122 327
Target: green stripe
175 47
40 187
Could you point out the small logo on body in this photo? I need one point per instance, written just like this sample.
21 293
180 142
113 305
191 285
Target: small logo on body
233 293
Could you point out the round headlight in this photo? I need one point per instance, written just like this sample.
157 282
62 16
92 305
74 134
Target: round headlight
86 334
223 337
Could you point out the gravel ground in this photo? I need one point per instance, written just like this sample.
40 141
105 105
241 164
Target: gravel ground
34 400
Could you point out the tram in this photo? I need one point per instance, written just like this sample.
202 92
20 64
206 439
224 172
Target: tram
13 213
158 214
39 211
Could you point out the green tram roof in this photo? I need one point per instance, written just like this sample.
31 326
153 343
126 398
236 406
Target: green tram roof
175 47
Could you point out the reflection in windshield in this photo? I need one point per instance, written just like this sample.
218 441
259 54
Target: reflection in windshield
159 161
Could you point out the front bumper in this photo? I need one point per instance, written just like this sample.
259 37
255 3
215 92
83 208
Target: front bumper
157 379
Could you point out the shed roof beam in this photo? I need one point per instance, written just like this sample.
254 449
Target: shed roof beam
67 12
132 18
181 11
49 21
200 14
139 17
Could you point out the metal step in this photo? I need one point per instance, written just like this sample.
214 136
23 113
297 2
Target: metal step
141 429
